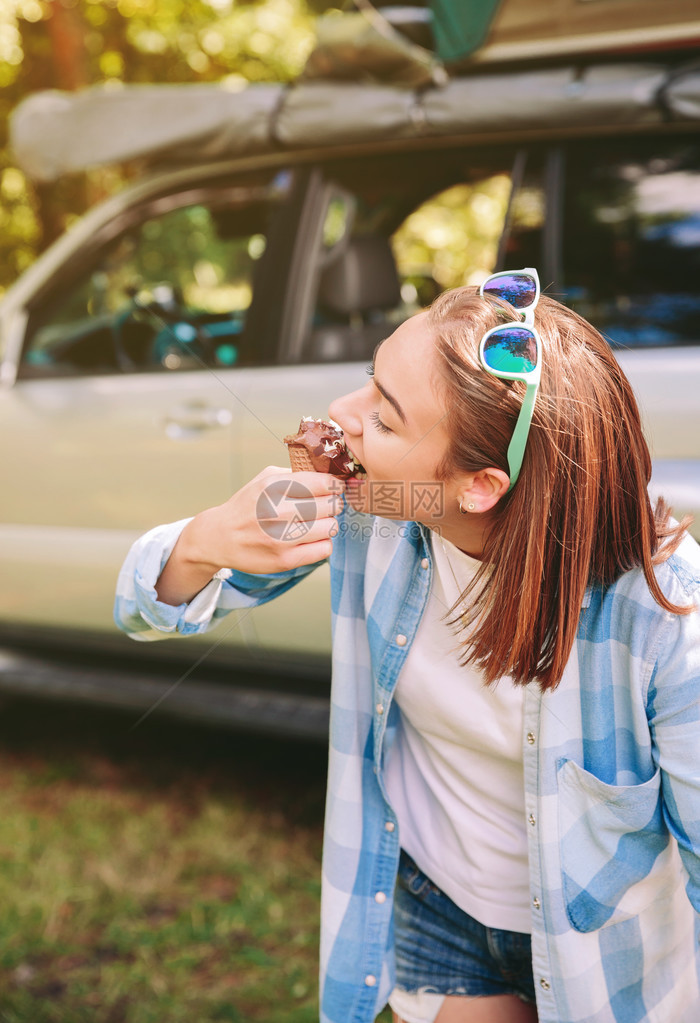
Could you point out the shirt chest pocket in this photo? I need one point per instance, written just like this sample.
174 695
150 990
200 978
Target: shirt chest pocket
610 839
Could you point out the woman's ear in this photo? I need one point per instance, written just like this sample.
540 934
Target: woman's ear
482 490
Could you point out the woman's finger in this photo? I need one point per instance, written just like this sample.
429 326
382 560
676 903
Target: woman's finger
308 553
311 532
320 482
311 508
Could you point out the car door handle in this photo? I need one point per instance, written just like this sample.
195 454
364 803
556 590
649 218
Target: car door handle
190 420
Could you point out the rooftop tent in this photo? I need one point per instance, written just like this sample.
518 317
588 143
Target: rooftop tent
366 85
54 133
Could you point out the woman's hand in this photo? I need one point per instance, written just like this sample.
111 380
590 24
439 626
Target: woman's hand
278 521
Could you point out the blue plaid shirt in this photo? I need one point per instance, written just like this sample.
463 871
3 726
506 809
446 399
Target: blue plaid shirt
612 776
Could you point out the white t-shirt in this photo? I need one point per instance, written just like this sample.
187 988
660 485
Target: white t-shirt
455 773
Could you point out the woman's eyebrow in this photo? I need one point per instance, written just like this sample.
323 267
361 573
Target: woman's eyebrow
376 349
385 394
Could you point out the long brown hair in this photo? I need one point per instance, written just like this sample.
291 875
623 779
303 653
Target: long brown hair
579 513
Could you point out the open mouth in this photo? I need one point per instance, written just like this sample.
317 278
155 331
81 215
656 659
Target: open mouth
357 469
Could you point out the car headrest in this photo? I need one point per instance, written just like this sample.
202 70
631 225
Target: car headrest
364 278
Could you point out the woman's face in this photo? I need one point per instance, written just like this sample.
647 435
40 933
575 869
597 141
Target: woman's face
396 427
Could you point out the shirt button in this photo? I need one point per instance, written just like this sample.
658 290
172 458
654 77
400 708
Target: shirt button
379 708
536 903
371 980
389 826
531 738
544 984
380 897
424 563
401 640
531 819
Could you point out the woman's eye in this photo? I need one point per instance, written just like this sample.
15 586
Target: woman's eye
374 416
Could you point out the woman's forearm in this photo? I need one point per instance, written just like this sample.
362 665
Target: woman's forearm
184 575
250 532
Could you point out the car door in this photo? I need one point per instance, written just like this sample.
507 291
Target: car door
382 234
125 411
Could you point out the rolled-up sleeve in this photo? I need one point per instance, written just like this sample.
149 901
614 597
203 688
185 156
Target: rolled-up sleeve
139 613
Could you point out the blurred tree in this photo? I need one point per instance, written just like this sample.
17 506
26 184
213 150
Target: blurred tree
67 44
452 238
66 32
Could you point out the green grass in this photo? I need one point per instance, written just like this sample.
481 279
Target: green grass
167 874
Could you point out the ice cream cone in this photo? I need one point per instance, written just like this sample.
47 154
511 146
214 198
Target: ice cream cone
299 458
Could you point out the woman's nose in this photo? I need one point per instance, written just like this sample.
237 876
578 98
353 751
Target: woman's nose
345 411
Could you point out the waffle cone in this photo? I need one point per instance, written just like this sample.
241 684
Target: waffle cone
299 458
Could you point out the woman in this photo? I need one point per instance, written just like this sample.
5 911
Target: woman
516 692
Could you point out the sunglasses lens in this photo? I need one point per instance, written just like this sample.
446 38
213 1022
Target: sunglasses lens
511 350
518 289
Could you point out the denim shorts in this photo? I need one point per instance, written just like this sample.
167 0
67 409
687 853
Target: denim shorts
441 949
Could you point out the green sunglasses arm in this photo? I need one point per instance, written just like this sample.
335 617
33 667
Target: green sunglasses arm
516 448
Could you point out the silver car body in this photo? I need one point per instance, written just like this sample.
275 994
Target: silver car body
91 461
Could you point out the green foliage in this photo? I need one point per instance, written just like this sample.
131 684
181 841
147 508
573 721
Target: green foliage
453 237
63 44
165 874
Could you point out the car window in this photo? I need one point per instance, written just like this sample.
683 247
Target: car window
631 239
399 231
522 243
172 292
452 238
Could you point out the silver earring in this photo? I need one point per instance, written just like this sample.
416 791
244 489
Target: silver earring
470 507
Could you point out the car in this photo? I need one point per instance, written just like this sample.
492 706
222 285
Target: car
152 360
